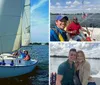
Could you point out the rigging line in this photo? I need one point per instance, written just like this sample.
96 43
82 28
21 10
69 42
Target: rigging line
87 18
83 5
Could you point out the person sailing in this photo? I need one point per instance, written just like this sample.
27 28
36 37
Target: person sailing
15 54
27 57
24 55
75 29
58 33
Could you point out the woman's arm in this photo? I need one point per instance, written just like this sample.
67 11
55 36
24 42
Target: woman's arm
86 73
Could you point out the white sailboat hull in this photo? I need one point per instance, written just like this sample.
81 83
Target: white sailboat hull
96 78
94 33
15 71
18 68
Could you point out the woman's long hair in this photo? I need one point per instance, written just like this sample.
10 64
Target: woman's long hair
80 51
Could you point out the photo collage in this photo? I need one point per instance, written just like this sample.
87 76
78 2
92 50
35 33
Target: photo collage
49 42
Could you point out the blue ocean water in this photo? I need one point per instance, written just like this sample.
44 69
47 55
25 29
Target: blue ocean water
40 75
92 20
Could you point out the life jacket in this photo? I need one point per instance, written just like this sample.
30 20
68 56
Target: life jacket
59 35
27 57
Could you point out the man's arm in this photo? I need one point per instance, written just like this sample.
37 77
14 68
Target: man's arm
58 80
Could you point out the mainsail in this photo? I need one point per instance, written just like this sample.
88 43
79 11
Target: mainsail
11 24
26 24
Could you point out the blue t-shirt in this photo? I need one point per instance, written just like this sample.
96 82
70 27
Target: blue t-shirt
22 55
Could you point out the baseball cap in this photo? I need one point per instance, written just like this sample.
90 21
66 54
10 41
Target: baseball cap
59 17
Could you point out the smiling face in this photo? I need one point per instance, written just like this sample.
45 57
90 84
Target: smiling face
72 55
60 24
75 20
80 57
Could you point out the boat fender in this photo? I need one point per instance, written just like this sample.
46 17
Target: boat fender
53 78
3 62
0 63
19 61
12 63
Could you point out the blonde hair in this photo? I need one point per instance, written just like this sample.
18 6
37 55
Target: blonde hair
80 51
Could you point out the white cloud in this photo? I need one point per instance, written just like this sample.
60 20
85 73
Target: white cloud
38 5
52 7
66 6
88 9
76 3
57 3
95 8
60 7
68 2
72 6
86 2
75 7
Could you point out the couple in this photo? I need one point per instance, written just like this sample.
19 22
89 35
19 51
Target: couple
74 71
24 55
64 31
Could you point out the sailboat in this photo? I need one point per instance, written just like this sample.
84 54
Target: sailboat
14 33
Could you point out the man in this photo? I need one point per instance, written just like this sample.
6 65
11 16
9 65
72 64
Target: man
66 70
57 33
74 29
22 54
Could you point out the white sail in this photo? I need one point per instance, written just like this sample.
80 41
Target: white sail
10 26
26 24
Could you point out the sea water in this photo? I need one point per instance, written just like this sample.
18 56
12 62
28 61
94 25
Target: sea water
92 20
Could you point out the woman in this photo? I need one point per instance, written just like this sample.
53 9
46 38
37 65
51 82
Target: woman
83 70
27 57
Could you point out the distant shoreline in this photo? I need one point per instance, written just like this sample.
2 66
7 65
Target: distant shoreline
72 14
57 56
39 43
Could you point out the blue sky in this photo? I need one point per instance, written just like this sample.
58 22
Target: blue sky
74 6
39 20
